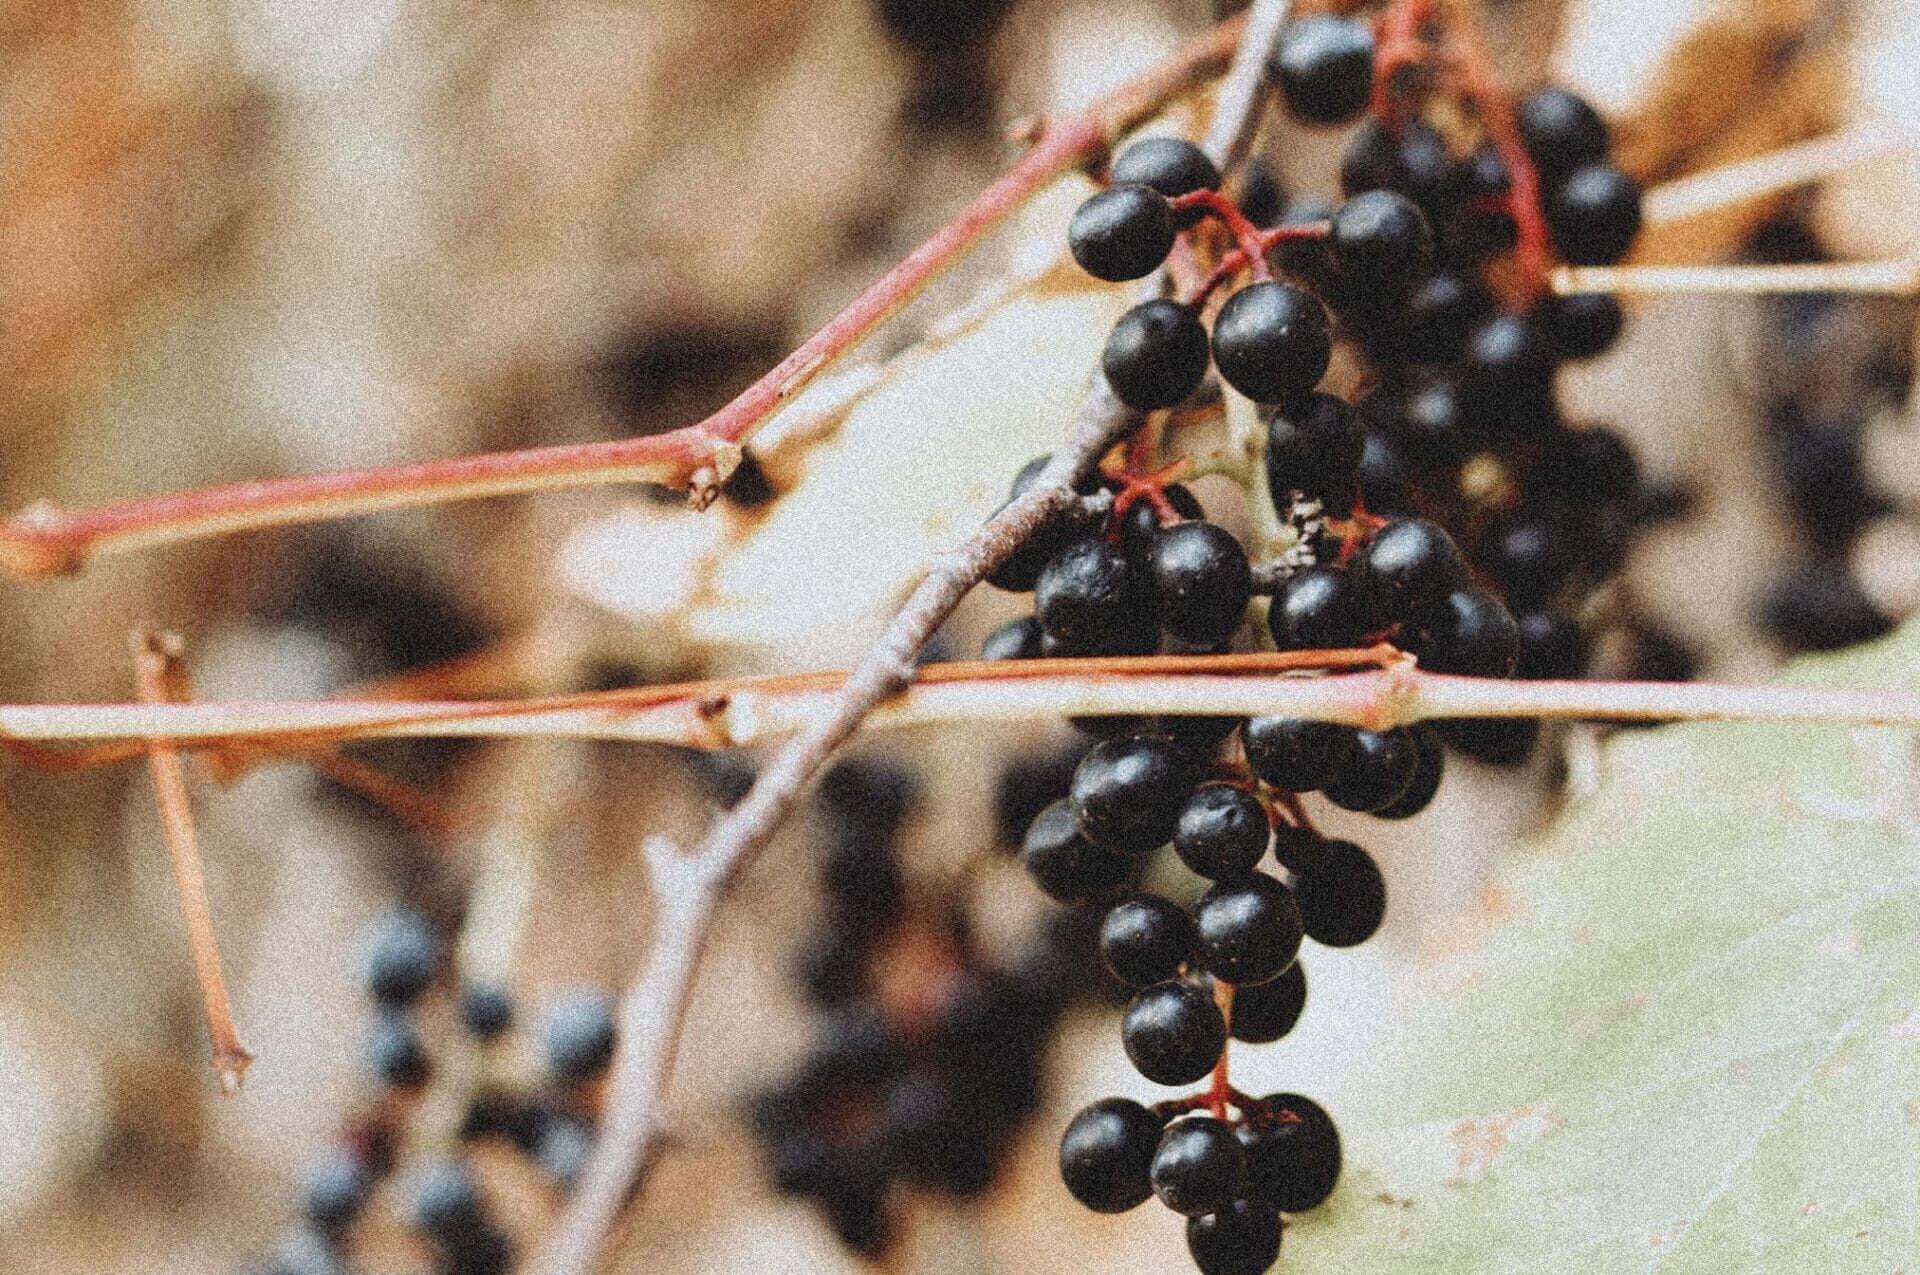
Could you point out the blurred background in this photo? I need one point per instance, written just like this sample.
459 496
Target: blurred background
252 237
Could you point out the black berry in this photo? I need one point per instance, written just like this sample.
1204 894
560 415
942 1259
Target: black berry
1107 1152
1173 1033
1091 600
332 1191
1127 793
402 955
1264 1012
1595 215
1145 940
1292 1165
1295 754
1199 1166
578 1034
1425 784
1122 233
1408 566
1171 165
1241 1239
1343 897
1561 131
1467 632
1249 929
1380 767
1223 831
1064 863
1156 356
1314 443
1324 66
1271 340
394 1052
1583 325
1201 581
486 1011
1317 609
1381 241
1017 639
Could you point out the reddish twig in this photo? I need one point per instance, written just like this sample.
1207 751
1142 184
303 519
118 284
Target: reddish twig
1246 236
44 541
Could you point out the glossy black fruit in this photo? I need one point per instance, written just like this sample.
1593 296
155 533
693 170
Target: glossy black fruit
1146 939
1249 929
1199 1166
1107 1152
1156 356
1064 863
1122 233
1271 340
1343 897
1173 1033
1222 832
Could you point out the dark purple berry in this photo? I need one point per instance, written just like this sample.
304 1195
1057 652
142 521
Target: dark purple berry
1090 600
1271 340
1106 1154
1380 767
1201 581
1199 1166
1127 793
1595 215
1561 131
1292 1165
1122 233
1264 1012
1249 929
1408 566
1223 831
1324 67
1295 754
1064 863
1343 897
1173 1033
1156 356
1241 1239
1145 940
1314 443
1381 241
1319 609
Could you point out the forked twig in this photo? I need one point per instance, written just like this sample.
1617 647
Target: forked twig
156 658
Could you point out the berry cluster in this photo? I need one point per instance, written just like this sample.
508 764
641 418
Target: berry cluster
547 1117
926 1058
1447 509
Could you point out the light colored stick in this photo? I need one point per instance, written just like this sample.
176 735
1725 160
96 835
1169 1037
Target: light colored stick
1897 278
1774 171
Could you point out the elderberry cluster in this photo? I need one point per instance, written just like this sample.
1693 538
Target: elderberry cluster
548 1118
926 1059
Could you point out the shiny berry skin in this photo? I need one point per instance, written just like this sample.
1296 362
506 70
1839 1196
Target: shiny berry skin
1199 1166
1295 754
1141 525
1173 1033
1171 165
1587 467
1201 581
1264 1012
1090 600
1223 831
1507 372
1381 241
1408 566
1241 1239
1582 326
1249 929
1127 793
402 954
1551 645
1595 214
443 1202
1291 1165
1425 784
1156 356
1442 310
1145 940
1122 233
1017 639
1314 443
1324 67
1561 131
394 1052
1343 897
1064 864
1371 160
1271 340
1468 632
1021 570
485 1011
1527 556
1380 768
1319 609
1107 1152
577 1036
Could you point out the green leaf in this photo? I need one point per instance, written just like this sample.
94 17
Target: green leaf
1692 1042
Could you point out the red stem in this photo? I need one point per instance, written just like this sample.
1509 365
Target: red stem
1245 234
44 541
1469 57
1398 46
1220 1091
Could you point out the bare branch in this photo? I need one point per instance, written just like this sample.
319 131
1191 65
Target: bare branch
156 658
1897 278
1775 171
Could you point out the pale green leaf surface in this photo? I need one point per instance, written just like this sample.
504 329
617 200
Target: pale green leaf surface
1690 1042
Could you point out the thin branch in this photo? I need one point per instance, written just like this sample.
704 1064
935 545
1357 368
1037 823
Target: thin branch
156 659
644 1054
45 541
1898 278
1774 171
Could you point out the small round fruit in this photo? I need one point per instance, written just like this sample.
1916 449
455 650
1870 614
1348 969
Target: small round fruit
1122 233
1426 777
1584 325
486 1011
1271 340
1199 1166
1343 897
578 1035
1324 67
1156 355
1017 639
1292 1165
1145 940
1223 831
1319 608
1241 1239
1380 767
1295 754
1561 131
1249 929
1408 566
1381 241
1127 793
1171 165
1314 444
1201 581
1064 863
395 1053
1264 1012
1106 1154
1091 600
1173 1033
1469 633
402 954
1595 215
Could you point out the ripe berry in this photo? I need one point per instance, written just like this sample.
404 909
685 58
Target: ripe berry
1319 609
1468 632
1264 1012
1199 1167
562 1150
394 1052
1090 600
1314 442
485 1011
1022 569
1141 525
1427 173
1324 66
1587 467
1064 863
1583 325
1561 131
1249 929
1171 165
1271 340
1295 754
1343 897
1820 607
1201 581
1551 645
1017 639
1433 421
1107 1152
1223 831
1380 767
1495 741
1442 311
1156 356
1173 1033
938 26
1122 233
443 1202
1381 241
1127 793
1291 1165
402 954
1263 200
332 1191
1508 374
1595 215
1241 1239
1145 940
1526 555
867 798
1371 160
1409 566
578 1034
1425 784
